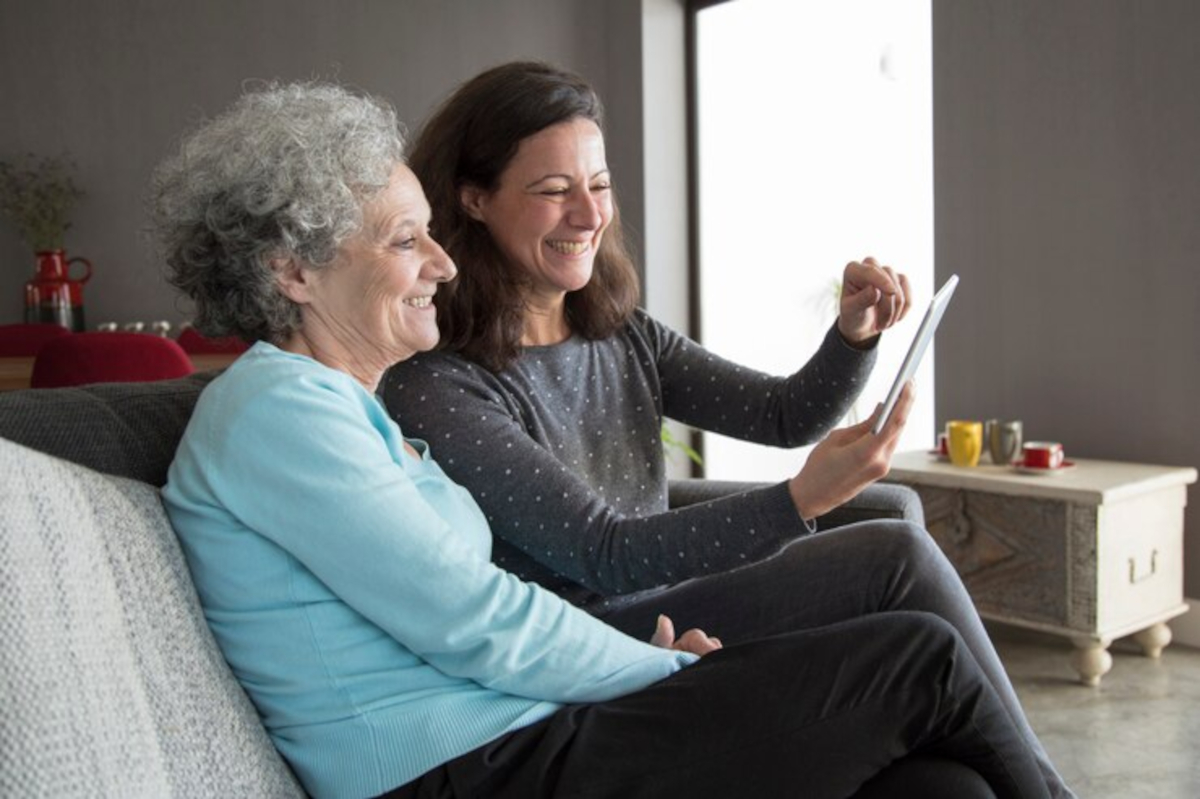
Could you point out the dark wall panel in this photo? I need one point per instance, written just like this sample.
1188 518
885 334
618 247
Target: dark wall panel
1067 195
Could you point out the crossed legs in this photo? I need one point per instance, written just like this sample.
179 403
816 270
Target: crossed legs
817 713
847 573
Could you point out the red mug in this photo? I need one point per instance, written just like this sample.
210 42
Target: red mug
943 445
1042 454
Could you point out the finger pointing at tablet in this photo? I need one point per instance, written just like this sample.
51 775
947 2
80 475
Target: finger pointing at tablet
874 298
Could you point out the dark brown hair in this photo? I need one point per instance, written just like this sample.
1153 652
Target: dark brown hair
469 141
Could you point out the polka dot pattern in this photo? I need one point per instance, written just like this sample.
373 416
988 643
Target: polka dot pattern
563 452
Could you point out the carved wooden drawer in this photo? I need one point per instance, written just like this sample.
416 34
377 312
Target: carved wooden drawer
1093 554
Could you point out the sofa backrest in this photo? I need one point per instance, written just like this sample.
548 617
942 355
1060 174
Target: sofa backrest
125 429
110 682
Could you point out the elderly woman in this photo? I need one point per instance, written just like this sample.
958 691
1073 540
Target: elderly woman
349 582
549 391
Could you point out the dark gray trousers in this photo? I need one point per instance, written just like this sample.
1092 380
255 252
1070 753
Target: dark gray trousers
824 713
847 573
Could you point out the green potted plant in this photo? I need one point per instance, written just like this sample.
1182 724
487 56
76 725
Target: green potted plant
37 195
672 444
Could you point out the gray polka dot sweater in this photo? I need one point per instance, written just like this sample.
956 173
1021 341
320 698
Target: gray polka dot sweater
563 451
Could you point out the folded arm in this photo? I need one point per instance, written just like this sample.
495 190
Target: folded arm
329 490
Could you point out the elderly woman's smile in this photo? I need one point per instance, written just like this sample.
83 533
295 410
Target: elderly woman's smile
374 305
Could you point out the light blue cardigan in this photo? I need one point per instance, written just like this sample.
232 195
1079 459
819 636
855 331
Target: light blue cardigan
350 586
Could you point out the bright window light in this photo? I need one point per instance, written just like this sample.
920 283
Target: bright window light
815 129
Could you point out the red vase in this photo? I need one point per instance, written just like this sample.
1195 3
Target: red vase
53 295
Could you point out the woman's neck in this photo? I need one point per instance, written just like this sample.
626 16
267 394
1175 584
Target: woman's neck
545 323
327 353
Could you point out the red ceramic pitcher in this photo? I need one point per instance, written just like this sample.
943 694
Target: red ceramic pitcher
53 295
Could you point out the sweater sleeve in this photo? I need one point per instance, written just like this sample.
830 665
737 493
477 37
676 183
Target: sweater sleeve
708 392
543 507
306 466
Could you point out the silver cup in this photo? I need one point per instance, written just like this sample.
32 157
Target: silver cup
1004 441
988 426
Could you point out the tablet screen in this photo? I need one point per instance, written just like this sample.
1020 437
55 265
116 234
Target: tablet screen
937 307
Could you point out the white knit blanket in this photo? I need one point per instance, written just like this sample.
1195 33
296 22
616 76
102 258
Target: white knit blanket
110 682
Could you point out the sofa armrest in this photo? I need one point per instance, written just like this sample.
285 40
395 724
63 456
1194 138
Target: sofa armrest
877 501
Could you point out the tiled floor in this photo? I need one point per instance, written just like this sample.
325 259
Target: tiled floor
1136 736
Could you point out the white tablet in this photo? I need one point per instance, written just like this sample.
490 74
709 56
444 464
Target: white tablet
937 307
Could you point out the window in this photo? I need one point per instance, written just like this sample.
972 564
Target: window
814 135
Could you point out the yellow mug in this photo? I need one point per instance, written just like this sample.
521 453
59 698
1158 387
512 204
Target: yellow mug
966 442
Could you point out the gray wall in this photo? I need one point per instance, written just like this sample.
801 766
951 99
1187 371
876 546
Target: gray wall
1067 140
116 83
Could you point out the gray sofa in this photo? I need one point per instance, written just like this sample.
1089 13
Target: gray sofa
110 682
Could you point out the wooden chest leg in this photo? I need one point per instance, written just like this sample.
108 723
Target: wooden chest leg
1091 658
1153 639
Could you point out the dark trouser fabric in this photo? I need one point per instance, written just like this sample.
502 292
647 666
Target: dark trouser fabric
846 573
817 714
919 777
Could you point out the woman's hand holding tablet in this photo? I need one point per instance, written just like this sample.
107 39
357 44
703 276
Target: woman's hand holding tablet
851 458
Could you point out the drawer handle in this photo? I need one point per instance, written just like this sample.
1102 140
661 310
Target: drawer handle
1133 575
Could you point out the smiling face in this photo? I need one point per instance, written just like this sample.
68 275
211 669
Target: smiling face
550 208
373 306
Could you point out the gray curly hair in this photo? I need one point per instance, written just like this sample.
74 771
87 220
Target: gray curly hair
284 172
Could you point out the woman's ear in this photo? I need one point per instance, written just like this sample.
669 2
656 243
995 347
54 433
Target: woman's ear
472 199
294 281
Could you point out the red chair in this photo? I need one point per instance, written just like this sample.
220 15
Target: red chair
26 340
194 343
83 358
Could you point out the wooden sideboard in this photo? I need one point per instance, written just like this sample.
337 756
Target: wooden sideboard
1093 554
15 372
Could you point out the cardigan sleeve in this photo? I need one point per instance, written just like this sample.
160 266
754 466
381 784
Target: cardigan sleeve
303 464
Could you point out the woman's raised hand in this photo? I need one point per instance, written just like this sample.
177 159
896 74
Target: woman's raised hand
849 460
694 641
873 299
